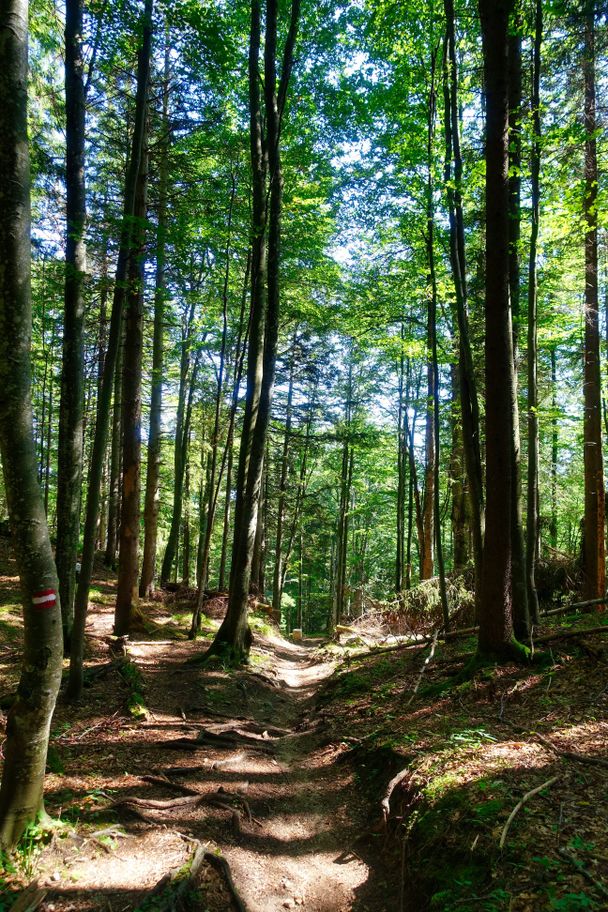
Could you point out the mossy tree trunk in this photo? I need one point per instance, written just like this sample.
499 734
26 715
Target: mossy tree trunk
29 719
103 411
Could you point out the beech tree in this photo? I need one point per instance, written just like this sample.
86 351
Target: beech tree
69 468
29 718
496 610
265 138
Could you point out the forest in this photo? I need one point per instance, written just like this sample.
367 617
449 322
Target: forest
303 413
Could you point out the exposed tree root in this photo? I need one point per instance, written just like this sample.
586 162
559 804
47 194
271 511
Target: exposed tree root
395 782
221 865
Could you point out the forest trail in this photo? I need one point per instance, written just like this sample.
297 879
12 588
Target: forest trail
300 855
281 811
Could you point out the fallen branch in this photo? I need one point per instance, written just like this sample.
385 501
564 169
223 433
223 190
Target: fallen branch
571 755
220 864
570 634
520 804
424 667
576 606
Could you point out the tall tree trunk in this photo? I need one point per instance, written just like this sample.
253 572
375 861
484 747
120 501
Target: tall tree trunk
460 514
532 526
264 322
29 718
213 486
152 495
554 449
401 470
103 411
182 432
496 620
277 590
187 547
469 404
521 615
115 457
126 589
69 468
256 584
432 343
228 456
594 541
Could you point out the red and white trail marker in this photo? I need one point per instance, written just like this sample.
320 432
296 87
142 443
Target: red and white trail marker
46 598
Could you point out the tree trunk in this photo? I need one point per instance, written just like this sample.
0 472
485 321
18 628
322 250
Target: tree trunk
29 718
554 449
103 411
432 343
496 620
115 458
521 615
126 588
594 543
228 456
69 468
277 589
187 547
152 495
182 431
213 486
469 404
264 322
532 527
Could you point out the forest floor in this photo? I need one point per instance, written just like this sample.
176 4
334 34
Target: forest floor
281 768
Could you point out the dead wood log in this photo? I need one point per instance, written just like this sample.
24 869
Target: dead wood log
576 606
569 634
571 755
30 898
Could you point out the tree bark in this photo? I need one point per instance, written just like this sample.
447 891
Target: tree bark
469 404
71 411
152 495
594 541
264 322
182 431
29 718
496 621
115 458
103 411
126 588
521 614
277 578
532 526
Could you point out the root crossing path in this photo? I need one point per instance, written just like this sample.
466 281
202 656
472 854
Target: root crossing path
299 855
240 762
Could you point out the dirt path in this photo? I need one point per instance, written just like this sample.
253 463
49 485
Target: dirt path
299 810
305 807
